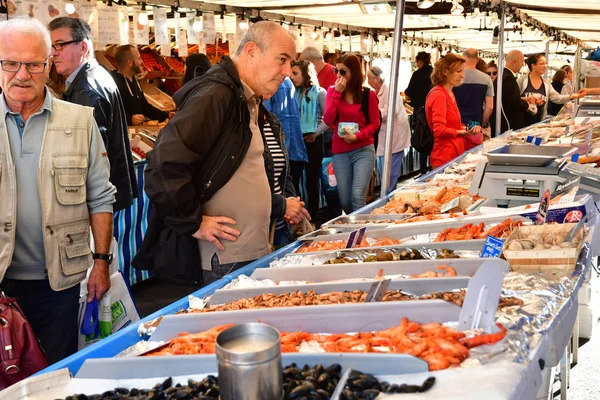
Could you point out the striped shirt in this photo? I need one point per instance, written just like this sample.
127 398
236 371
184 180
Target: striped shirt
278 162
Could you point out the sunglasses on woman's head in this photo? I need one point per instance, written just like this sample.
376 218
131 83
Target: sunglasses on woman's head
341 71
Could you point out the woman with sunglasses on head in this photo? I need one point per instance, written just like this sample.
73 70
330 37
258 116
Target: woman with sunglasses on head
352 146
442 111
311 100
492 71
534 86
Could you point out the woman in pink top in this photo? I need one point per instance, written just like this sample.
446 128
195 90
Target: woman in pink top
353 152
442 112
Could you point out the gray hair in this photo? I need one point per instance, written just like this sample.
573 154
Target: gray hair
28 25
80 30
261 34
311 53
375 70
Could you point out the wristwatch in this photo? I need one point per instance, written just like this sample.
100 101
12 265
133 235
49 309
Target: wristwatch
105 257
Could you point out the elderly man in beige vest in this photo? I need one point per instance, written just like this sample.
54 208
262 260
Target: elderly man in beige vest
54 184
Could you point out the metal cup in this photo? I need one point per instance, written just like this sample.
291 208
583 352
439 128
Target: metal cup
249 360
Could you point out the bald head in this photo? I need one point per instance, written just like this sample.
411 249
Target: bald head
515 60
470 54
262 34
264 57
471 57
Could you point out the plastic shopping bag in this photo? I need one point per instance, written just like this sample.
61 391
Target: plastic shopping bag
115 311
328 181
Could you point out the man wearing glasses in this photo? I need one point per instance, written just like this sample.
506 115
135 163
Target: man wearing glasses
89 84
54 184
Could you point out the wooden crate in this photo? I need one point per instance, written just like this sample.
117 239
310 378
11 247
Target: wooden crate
543 260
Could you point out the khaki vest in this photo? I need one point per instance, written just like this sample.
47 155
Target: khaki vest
62 178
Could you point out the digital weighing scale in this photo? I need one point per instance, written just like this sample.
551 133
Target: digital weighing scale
516 175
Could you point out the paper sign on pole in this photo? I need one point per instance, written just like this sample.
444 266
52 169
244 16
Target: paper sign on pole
331 43
108 20
364 45
161 31
88 11
223 30
320 42
193 35
232 43
32 9
239 32
141 34
56 10
181 36
123 25
209 31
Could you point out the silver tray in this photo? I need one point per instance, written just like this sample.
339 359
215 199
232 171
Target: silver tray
528 154
358 220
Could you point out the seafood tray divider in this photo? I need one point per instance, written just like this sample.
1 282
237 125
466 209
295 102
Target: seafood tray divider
323 273
339 318
412 286
411 243
417 287
164 366
357 220
416 228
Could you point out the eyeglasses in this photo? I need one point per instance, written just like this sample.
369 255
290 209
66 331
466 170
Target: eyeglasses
58 46
492 73
31 67
342 72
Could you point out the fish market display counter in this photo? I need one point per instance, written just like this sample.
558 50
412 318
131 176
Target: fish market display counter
420 292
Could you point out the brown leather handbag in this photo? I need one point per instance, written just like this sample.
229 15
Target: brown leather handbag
21 354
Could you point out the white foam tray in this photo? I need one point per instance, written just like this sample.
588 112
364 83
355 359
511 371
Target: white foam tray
324 273
148 367
340 318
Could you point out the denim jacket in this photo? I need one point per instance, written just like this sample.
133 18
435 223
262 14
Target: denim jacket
285 107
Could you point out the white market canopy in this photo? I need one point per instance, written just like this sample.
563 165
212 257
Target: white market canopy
578 19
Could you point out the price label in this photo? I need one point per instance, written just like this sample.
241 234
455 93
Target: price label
543 210
355 237
492 248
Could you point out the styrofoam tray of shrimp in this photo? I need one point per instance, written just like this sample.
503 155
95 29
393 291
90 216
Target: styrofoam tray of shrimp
339 318
403 231
417 287
324 273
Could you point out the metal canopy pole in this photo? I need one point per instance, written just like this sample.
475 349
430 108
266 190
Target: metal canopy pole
500 69
391 115
576 77
547 59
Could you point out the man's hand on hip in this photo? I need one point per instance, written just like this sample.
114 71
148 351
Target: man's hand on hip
213 228
99 281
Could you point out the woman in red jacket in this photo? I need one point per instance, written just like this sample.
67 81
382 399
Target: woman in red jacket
442 112
352 145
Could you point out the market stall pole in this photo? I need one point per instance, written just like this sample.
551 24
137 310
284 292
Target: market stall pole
387 160
500 69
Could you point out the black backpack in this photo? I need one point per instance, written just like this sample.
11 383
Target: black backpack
364 104
422 138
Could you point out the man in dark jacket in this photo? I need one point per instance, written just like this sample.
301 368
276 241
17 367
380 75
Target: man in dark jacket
137 108
88 84
214 186
513 105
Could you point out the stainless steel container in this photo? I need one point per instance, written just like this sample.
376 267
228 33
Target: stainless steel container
249 359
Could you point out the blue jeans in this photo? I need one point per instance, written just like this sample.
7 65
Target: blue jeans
397 161
353 171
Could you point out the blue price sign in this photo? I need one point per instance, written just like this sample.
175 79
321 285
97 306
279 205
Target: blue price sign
492 247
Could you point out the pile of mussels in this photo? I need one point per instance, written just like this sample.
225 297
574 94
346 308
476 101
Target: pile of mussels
317 383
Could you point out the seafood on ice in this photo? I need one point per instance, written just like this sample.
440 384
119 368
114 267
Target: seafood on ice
327 245
445 272
442 347
470 231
